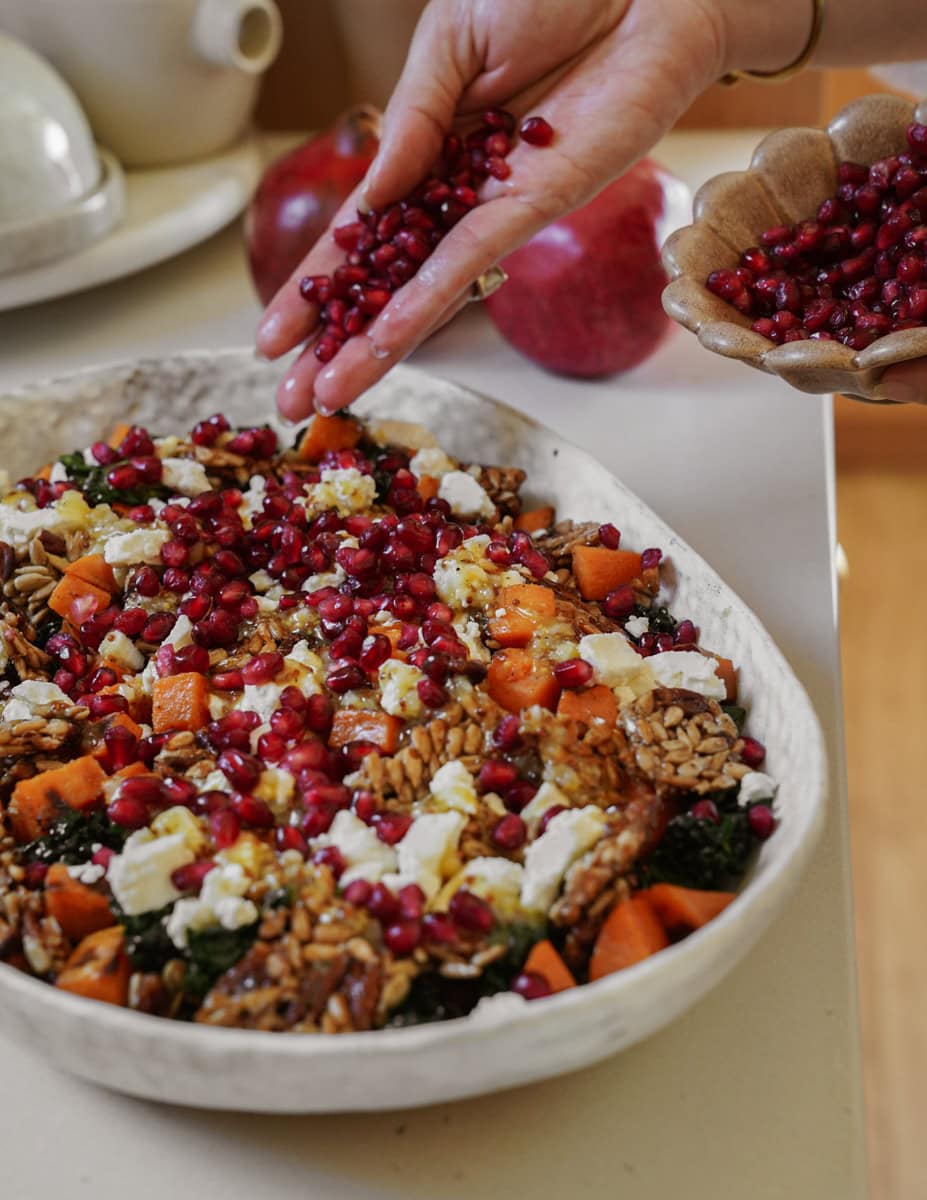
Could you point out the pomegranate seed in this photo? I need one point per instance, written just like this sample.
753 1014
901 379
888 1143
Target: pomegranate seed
521 793
358 893
241 770
574 673
609 536
469 912
101 857
507 734
251 811
706 810
496 775
391 828
189 877
531 985
123 478
105 706
271 747
620 603
331 857
382 904
431 694
753 752
761 821
650 559
224 827
35 873
548 816
105 455
121 745
262 668
345 679
536 132
179 791
136 441
128 812
319 714
686 634
402 937
228 681
157 628
438 928
510 833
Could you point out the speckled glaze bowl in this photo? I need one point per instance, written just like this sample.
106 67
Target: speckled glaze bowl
505 1041
791 173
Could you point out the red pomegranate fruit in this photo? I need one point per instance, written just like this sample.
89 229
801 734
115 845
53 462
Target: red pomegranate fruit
583 295
300 193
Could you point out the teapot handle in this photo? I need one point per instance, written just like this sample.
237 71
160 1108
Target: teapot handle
242 34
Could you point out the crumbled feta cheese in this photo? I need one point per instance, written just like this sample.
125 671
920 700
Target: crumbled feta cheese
140 877
547 795
261 698
220 902
58 473
345 489
29 695
18 526
252 501
262 581
148 677
215 781
637 626
184 476
87 872
398 689
333 578
182 633
363 852
465 495
569 835
119 649
461 578
469 633
612 657
496 880
427 851
452 786
275 788
756 785
139 546
167 447
179 820
431 460
688 669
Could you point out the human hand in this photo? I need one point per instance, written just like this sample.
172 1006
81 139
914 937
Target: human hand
905 383
610 76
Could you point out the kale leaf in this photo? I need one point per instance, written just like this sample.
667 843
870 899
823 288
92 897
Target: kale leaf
92 482
210 954
695 852
147 941
72 837
737 714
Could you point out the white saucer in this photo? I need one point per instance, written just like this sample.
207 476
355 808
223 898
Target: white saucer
167 210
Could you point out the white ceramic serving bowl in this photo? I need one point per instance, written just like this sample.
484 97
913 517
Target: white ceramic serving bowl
162 81
506 1041
58 192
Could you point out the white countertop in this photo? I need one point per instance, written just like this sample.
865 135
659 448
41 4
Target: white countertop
756 1092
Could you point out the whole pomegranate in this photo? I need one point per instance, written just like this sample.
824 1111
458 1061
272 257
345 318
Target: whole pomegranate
301 192
583 295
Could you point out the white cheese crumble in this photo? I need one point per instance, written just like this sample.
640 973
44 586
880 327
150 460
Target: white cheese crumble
184 476
398 689
139 546
87 872
58 473
345 489
140 876
452 786
431 460
425 851
31 694
220 902
469 633
18 525
182 633
688 669
119 649
637 626
756 785
461 578
547 795
179 820
465 495
569 835
496 880
363 852
612 657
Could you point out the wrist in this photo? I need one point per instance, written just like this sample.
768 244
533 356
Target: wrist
760 36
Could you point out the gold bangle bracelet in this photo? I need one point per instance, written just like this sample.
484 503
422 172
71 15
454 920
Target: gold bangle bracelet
817 25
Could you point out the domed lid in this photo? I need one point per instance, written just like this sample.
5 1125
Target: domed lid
48 160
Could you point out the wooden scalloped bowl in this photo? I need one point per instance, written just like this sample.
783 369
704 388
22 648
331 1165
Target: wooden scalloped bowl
791 173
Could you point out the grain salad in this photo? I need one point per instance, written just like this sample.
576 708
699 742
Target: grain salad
341 736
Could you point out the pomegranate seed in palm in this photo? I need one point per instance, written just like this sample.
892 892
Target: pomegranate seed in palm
536 132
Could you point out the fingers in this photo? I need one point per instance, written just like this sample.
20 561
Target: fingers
310 384
420 111
289 319
905 383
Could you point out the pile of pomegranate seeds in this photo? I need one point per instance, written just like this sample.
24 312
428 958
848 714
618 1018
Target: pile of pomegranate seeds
385 248
853 274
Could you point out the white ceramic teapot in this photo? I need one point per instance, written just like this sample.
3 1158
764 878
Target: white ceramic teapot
162 81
